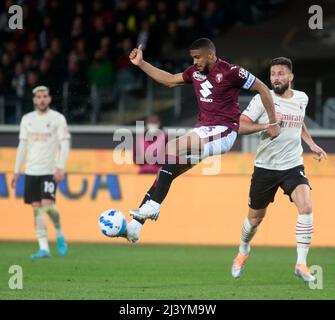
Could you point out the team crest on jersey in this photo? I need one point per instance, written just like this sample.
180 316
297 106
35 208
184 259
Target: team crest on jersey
197 75
219 77
243 73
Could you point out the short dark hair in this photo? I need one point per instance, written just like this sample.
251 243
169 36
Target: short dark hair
202 43
283 61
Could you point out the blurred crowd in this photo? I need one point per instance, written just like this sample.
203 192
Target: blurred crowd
70 45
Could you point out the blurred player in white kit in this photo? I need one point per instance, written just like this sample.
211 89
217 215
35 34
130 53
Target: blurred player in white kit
44 144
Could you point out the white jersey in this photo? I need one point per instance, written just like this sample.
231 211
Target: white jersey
43 133
285 151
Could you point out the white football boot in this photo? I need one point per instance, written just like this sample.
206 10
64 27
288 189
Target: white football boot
238 265
149 210
302 271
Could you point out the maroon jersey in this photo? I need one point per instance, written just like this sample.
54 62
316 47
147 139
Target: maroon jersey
217 93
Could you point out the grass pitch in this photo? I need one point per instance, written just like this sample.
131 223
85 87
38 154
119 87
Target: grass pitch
97 271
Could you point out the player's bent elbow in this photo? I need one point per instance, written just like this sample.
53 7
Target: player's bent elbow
242 131
170 85
245 124
174 80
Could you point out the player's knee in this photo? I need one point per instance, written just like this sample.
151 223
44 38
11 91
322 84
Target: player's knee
47 202
36 205
256 221
306 208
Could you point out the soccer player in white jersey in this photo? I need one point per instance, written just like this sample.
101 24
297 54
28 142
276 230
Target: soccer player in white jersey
45 144
279 163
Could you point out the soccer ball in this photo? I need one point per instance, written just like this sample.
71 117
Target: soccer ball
112 223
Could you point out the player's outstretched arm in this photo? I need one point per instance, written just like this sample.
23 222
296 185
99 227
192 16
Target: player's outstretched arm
320 153
168 79
264 92
247 126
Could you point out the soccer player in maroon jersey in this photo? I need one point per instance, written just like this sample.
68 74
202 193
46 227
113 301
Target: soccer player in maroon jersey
217 85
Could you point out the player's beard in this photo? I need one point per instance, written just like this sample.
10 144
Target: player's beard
205 71
280 89
42 109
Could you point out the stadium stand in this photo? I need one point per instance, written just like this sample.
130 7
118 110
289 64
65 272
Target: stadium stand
83 57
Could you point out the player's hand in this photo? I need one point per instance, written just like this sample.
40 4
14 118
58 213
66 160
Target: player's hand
14 180
136 56
59 175
319 152
279 119
273 131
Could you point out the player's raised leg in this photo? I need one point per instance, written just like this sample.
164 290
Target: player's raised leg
180 154
41 232
135 225
249 229
176 164
301 196
49 207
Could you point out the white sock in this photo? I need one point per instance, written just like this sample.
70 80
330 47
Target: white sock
303 231
43 243
248 231
41 229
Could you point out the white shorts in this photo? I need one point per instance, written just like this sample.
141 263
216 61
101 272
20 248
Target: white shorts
221 139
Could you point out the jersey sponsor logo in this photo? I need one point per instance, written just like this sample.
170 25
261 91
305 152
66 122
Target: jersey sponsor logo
292 121
206 99
219 77
205 91
39 136
197 75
